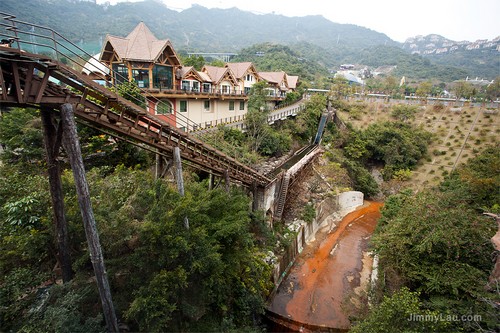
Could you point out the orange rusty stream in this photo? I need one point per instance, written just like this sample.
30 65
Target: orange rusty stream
326 272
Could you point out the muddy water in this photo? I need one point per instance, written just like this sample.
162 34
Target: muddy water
327 271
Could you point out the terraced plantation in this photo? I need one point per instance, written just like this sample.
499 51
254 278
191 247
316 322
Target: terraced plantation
461 131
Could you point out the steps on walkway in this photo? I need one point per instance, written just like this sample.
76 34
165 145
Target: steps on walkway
282 196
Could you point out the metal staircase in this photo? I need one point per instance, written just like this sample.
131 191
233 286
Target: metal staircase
285 182
321 128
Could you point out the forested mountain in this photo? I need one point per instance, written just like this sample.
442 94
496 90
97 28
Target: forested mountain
480 57
323 43
196 28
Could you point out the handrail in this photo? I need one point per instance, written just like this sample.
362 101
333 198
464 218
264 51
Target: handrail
118 111
50 41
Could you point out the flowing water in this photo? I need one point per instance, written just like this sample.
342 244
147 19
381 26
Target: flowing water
329 270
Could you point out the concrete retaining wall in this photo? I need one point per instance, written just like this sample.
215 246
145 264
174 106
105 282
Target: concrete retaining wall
328 212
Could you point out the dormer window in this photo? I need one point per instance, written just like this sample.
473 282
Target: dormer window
207 87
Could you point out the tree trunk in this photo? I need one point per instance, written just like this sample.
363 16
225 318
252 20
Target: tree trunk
72 146
52 140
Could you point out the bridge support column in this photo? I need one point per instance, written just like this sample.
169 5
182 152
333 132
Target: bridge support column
258 197
210 181
226 180
179 179
52 141
72 146
162 166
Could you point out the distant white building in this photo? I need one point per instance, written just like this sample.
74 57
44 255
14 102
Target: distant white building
349 76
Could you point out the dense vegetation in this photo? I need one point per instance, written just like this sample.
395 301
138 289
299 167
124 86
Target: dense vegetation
317 42
435 255
269 57
221 30
212 276
411 66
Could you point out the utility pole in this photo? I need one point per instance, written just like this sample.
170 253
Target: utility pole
179 179
71 145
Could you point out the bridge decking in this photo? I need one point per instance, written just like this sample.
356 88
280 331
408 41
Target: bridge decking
32 80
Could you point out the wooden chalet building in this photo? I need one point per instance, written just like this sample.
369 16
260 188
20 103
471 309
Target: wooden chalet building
177 93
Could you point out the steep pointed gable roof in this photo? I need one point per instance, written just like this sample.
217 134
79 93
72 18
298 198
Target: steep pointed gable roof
292 81
142 45
139 45
218 73
191 72
205 77
239 69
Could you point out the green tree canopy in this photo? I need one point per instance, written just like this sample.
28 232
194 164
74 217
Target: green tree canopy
437 242
395 145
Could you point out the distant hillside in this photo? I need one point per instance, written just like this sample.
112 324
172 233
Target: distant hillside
413 66
196 28
479 58
324 44
300 59
436 44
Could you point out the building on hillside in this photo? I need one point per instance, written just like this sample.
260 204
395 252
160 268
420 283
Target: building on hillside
350 77
245 73
181 95
278 83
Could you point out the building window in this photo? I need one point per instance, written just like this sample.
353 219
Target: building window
163 107
196 86
120 73
247 90
242 105
206 105
249 78
185 85
162 77
206 87
183 106
141 77
225 89
231 105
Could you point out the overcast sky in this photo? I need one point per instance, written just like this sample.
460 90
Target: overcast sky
399 19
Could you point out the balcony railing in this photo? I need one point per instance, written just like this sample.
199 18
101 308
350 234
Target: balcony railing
213 91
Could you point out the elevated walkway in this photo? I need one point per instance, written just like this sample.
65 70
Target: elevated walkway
40 81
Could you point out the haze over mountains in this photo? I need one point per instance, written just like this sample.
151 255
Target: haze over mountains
200 29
